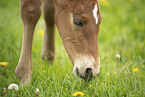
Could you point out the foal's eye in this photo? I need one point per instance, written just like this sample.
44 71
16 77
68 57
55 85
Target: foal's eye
78 22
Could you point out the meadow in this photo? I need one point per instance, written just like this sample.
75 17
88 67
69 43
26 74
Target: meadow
122 32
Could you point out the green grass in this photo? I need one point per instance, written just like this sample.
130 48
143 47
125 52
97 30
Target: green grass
121 32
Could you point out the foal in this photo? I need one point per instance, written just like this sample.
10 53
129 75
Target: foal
78 23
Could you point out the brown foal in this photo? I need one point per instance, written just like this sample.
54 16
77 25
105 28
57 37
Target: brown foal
78 24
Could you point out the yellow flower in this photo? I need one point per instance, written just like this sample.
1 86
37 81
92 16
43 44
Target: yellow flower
90 85
78 94
44 71
3 63
135 70
41 32
104 2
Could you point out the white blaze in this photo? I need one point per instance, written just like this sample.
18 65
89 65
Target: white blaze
95 14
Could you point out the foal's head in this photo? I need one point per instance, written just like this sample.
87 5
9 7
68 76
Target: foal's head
78 23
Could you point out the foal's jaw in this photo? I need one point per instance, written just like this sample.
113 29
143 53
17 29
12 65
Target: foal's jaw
86 67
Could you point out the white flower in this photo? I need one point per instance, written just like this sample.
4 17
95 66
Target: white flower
117 56
13 86
37 90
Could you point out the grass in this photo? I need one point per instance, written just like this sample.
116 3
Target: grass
121 32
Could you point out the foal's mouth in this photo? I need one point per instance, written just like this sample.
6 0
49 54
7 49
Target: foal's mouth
88 76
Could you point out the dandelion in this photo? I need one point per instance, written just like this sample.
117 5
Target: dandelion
41 32
3 63
13 86
104 2
44 71
78 94
37 90
90 85
117 56
135 70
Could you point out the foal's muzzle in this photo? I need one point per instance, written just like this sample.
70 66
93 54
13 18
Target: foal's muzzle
86 68
88 74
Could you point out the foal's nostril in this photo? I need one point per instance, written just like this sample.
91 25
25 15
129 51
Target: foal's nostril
77 71
88 74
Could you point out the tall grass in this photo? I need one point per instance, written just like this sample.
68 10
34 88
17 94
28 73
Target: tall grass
121 32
